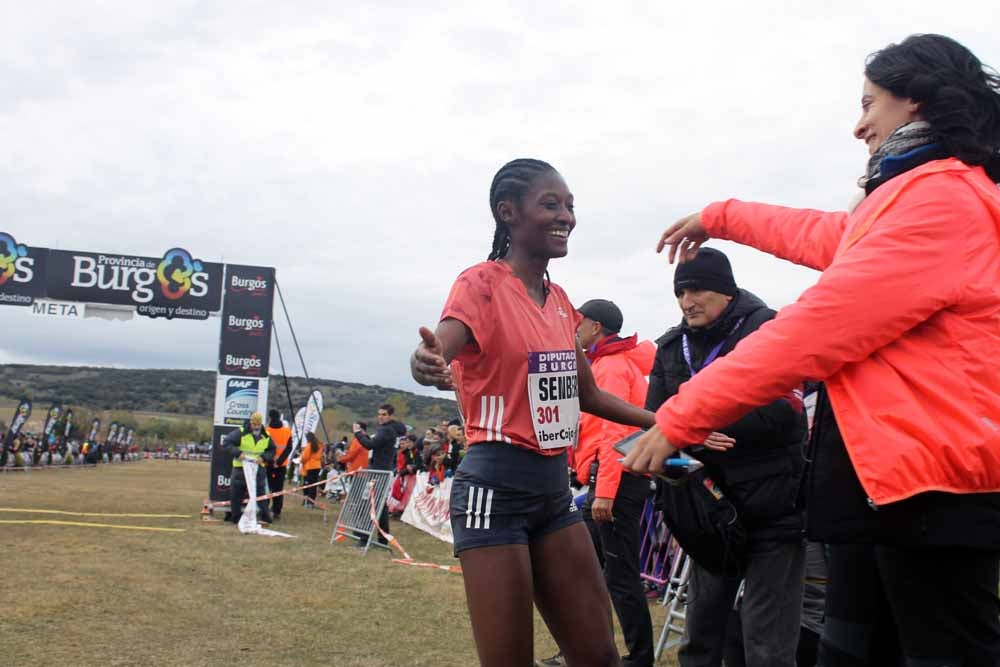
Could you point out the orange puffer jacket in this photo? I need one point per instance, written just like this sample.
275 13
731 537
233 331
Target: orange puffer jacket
903 326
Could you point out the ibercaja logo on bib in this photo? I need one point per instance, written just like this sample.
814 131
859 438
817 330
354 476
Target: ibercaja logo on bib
251 325
251 365
252 286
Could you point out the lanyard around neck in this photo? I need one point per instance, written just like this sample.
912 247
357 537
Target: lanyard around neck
712 354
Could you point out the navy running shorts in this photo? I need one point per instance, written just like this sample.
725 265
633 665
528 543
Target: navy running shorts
503 494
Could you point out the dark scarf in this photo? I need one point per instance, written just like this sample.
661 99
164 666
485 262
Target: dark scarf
909 143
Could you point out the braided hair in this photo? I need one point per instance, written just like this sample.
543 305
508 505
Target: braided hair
510 184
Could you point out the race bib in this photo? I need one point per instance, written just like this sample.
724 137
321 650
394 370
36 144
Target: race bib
554 395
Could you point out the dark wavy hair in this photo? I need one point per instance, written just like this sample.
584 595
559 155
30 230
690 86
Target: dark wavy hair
959 96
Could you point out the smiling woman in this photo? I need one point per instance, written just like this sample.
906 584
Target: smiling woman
506 342
902 328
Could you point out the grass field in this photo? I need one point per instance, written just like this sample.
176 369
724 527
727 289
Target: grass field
87 595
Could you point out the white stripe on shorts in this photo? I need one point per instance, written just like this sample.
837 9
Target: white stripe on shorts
479 508
489 505
468 511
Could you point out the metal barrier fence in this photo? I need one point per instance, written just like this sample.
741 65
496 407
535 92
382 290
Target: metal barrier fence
355 519
657 548
663 564
675 599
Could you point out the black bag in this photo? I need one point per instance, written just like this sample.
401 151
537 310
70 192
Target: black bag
705 523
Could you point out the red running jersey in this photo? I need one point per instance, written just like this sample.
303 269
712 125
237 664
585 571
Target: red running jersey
517 381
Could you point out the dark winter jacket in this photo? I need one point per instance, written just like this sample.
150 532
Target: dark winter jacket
382 444
762 473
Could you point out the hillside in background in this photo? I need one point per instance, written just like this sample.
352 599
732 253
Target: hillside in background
177 404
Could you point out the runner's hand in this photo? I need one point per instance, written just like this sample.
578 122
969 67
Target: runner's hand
427 363
720 442
649 453
601 510
685 235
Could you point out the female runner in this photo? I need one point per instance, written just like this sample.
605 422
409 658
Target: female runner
506 343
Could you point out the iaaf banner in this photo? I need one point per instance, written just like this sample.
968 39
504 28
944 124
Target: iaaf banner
22 272
69 423
95 426
175 286
236 398
21 414
429 508
51 420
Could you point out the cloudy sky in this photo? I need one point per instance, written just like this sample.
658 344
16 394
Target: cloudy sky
351 146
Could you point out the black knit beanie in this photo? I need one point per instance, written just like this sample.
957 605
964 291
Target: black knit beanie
709 270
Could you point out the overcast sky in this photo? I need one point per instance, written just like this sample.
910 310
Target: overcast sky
352 146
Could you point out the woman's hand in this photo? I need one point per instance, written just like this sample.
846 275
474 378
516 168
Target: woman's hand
428 365
685 235
649 453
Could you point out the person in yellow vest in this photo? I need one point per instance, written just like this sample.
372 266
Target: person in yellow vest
248 443
281 436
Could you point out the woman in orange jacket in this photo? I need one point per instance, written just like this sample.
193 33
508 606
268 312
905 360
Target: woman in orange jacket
312 462
903 327
356 456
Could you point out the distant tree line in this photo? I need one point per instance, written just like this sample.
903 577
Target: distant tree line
182 401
